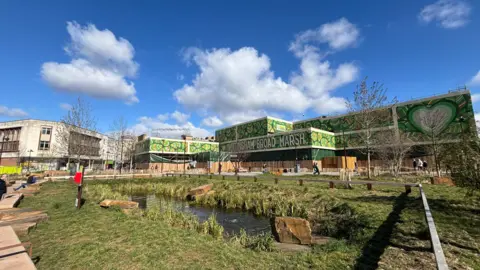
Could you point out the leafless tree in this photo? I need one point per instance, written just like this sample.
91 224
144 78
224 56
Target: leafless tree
77 137
119 133
238 159
369 112
433 122
392 149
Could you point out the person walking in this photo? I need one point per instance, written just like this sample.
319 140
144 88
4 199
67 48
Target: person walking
414 164
316 171
425 165
420 164
219 168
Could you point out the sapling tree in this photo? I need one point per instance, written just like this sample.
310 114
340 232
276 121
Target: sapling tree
369 112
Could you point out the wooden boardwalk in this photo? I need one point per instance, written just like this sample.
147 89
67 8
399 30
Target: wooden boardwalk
12 253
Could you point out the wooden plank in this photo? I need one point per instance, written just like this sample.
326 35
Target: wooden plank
15 257
24 219
10 201
435 240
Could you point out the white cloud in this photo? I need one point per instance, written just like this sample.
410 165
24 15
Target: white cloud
100 66
12 112
65 106
179 117
475 98
339 35
148 125
180 77
475 79
212 121
163 117
448 14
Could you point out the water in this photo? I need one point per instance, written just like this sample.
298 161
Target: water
231 220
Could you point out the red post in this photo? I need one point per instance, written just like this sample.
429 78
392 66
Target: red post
79 180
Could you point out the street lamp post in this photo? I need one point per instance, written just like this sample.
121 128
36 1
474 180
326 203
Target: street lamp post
29 158
5 139
108 152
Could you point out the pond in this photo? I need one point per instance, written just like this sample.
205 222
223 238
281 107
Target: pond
231 220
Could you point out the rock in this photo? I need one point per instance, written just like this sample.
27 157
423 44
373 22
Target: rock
292 230
199 191
435 180
121 204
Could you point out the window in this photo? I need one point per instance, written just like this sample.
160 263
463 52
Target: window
44 145
46 130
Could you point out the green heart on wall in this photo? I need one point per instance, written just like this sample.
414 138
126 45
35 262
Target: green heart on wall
435 118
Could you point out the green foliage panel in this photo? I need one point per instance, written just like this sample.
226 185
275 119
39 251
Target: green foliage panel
197 147
227 134
275 126
346 123
414 124
165 145
323 139
252 129
143 146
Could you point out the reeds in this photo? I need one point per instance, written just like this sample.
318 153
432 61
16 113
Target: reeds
261 242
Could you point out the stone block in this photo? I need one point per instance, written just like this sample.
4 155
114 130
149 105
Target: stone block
292 230
435 180
121 204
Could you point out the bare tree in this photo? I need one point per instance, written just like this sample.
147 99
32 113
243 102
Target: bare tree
370 112
77 137
392 149
120 132
433 122
239 157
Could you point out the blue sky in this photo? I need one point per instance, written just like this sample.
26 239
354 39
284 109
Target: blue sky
207 64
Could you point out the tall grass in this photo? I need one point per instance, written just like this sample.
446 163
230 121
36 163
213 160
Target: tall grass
261 242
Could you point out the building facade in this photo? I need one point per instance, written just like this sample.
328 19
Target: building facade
271 140
45 145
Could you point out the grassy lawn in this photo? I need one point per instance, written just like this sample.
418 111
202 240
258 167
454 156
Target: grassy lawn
383 226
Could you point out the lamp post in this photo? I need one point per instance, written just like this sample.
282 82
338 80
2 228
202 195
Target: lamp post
5 139
29 158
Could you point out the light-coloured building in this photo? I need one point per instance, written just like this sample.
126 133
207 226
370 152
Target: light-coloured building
40 145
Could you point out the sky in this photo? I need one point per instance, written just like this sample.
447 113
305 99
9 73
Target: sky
203 65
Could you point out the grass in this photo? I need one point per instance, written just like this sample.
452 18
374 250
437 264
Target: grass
388 228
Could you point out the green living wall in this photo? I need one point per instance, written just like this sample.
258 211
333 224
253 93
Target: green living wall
438 118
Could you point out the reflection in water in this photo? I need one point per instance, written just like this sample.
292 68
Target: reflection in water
231 220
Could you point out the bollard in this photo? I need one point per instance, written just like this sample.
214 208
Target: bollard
300 182
408 189
276 180
210 176
255 179
332 185
369 186
199 175
238 177
189 176
223 177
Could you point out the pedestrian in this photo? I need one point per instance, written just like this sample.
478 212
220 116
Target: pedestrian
264 168
220 168
315 169
420 164
156 167
356 167
3 186
425 165
414 164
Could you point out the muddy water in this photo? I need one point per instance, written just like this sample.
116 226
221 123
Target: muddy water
231 220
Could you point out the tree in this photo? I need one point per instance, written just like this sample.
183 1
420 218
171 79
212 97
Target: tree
120 135
433 123
238 159
77 137
392 149
369 112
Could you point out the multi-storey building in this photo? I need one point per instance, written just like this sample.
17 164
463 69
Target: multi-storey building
46 145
